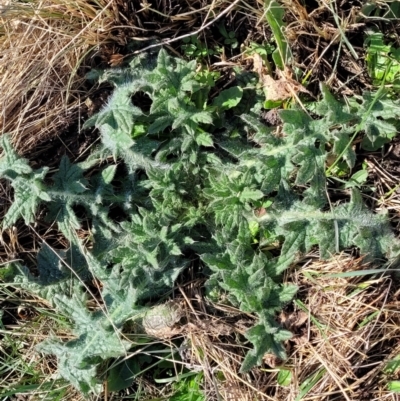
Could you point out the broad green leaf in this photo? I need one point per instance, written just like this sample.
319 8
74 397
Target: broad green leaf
11 164
341 147
357 179
29 192
228 98
264 342
66 219
108 174
69 178
122 375
160 124
202 117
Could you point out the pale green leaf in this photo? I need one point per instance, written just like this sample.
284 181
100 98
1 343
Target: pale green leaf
29 192
204 139
249 194
159 124
11 164
108 174
69 178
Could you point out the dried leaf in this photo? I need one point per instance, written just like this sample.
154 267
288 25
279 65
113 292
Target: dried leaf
258 64
275 90
282 88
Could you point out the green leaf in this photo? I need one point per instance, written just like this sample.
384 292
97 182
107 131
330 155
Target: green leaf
383 64
108 174
122 375
264 339
375 109
392 366
66 219
274 14
29 192
332 109
11 164
160 124
202 117
204 139
341 147
357 179
228 98
284 377
309 383
95 341
311 161
249 194
69 178
394 386
72 367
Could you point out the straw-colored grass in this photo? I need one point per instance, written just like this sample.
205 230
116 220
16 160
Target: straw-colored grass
351 332
42 46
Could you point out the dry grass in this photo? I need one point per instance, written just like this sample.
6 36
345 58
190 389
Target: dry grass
42 46
213 349
383 175
352 330
319 37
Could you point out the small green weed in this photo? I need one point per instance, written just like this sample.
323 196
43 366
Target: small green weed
383 60
309 383
391 370
229 37
284 377
188 389
274 13
193 48
190 189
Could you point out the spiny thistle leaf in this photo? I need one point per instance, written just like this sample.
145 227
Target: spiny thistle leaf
264 339
69 178
95 341
29 193
11 164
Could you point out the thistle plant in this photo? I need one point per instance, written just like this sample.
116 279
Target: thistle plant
191 179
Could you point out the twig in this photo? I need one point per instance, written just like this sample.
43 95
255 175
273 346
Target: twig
186 35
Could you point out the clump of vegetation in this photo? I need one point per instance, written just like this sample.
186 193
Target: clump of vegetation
383 60
190 181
